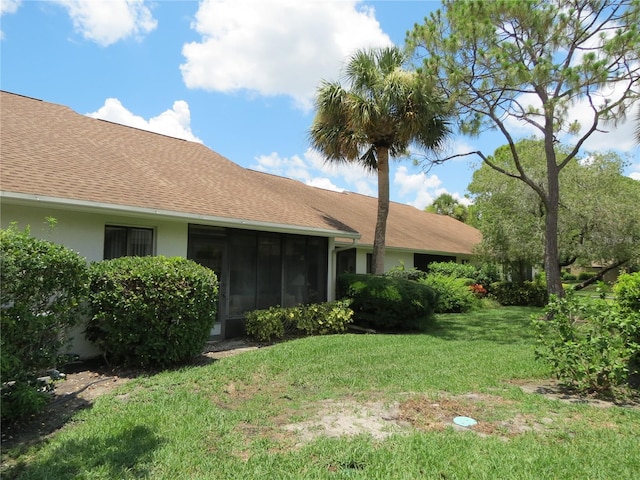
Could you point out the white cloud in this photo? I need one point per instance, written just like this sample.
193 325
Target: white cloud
324 183
9 6
276 47
312 170
416 182
416 189
108 21
614 137
618 137
175 122
460 147
462 199
421 187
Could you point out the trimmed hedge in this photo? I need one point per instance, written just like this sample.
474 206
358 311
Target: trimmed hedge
314 319
586 275
151 311
41 289
388 303
528 294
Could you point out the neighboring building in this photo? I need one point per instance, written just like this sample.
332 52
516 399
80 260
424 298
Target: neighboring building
117 190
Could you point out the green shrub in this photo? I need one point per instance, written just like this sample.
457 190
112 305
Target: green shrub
151 310
453 269
314 319
271 323
532 294
41 290
582 276
485 275
388 303
454 295
325 318
627 291
589 344
627 297
400 271
569 277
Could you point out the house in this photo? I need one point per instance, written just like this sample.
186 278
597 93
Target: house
116 190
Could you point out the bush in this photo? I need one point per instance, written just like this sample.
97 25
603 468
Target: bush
388 303
452 269
627 291
325 318
41 290
314 319
585 276
454 295
527 294
485 275
269 324
627 297
589 345
400 271
569 277
151 310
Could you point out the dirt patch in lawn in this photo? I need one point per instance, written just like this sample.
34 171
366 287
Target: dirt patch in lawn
492 415
380 419
374 416
349 417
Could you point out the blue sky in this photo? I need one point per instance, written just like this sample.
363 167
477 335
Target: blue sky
236 75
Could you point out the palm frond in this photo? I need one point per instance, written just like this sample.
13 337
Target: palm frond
384 106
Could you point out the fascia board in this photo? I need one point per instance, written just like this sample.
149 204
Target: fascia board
141 212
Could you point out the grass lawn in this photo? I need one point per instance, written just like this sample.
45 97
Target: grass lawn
270 414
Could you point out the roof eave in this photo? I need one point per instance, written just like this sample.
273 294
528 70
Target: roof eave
17 198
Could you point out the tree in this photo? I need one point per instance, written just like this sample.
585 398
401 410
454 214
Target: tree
524 63
445 204
598 215
384 110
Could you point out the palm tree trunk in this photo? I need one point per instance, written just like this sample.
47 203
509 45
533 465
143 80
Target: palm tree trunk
383 210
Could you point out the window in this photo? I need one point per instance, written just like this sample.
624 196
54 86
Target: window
127 242
421 261
369 262
346 261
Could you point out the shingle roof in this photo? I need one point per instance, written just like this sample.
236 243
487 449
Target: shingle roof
407 227
50 150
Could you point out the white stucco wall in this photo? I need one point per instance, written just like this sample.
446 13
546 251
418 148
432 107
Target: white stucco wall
84 232
391 259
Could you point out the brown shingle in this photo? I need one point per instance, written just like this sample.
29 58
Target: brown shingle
49 150
407 227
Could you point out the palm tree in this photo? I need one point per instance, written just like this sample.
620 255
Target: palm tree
445 204
384 111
